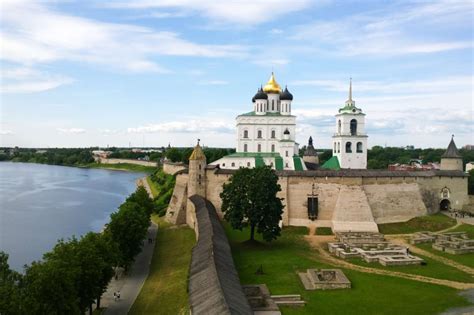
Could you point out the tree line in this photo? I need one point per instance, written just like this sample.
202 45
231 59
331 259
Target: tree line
380 158
75 273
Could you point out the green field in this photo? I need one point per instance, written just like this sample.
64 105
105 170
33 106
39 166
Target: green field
154 189
370 293
123 167
165 290
435 222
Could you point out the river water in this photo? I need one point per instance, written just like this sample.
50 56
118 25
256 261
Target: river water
40 204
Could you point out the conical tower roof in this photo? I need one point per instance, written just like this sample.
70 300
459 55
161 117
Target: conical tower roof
452 151
198 153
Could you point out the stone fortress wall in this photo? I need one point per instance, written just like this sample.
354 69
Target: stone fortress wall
347 199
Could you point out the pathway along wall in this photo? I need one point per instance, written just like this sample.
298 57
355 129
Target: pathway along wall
214 285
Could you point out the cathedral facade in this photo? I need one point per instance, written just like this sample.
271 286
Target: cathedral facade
266 135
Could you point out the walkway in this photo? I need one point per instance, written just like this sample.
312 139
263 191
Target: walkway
130 285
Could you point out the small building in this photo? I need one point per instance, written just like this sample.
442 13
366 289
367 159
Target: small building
469 166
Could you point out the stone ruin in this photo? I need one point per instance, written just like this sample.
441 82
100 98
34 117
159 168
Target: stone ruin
262 303
450 242
324 279
371 247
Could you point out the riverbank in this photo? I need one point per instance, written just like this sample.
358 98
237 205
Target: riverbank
122 167
127 167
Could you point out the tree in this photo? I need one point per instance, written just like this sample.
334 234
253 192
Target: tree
174 155
141 197
250 198
10 288
128 228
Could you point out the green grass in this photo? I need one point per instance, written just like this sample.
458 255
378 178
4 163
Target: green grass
433 269
465 228
435 222
324 231
123 167
370 293
463 259
154 189
165 290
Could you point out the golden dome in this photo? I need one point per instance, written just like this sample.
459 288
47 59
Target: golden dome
272 86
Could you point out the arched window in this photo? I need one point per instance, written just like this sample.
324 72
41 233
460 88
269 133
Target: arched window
259 134
273 148
248 164
338 147
286 153
359 147
353 127
273 104
273 134
339 126
199 166
245 147
335 147
259 148
246 134
286 165
348 147
233 164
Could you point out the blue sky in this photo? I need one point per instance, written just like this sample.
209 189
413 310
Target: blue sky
149 73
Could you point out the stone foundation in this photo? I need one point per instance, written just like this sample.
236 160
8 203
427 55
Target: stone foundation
324 279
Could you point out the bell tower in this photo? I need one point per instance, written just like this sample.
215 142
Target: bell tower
350 139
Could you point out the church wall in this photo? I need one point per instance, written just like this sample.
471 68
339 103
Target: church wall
391 199
431 187
451 164
176 212
394 201
172 168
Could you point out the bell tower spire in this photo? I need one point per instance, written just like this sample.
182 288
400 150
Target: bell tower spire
349 101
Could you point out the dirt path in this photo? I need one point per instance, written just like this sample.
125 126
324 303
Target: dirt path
317 242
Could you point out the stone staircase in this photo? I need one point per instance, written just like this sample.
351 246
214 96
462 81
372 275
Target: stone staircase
352 211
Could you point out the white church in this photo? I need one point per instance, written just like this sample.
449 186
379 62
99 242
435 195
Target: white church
266 135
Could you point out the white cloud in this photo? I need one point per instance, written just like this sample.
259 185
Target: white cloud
6 132
34 33
398 29
436 85
29 80
243 12
71 130
276 31
272 62
187 126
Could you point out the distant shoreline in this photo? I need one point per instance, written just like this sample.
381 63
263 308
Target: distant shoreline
124 167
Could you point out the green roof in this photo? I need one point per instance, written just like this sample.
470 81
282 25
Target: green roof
266 114
254 154
332 164
298 164
279 163
259 161
284 140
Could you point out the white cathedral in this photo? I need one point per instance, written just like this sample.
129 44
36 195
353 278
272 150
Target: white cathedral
266 135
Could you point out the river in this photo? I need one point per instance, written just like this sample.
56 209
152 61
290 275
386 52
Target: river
40 204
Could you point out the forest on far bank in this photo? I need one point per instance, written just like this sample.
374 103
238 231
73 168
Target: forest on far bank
377 158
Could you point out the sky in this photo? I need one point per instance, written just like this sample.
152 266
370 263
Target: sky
152 73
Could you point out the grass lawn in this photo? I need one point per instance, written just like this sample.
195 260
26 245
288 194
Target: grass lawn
323 231
370 294
123 167
435 222
165 290
465 228
433 269
464 259
154 189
